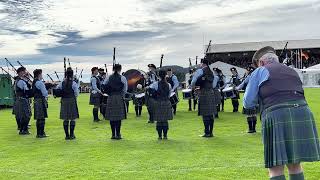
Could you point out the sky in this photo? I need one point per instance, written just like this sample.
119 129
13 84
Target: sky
39 33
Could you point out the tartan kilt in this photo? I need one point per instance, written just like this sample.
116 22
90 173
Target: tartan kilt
95 99
250 112
69 109
289 134
40 106
162 110
217 96
206 105
116 108
22 108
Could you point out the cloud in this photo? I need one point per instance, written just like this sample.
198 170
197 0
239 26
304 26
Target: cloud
45 31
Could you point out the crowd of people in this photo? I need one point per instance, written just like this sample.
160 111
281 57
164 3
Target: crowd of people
275 90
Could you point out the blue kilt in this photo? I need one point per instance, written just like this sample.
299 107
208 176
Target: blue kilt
40 108
22 108
116 108
95 99
289 134
69 109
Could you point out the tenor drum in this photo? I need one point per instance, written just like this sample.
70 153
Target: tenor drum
174 99
187 93
135 77
229 93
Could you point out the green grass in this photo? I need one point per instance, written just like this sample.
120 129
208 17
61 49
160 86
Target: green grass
232 154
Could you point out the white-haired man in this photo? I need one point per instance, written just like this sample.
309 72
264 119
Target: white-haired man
288 127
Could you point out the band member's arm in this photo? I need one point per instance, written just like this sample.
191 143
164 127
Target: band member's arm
22 85
59 86
195 77
41 86
215 81
175 83
125 84
154 86
94 85
246 81
75 88
259 76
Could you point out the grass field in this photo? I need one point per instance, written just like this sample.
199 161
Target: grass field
232 154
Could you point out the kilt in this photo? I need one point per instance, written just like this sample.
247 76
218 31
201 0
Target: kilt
22 108
40 108
69 109
95 99
116 108
162 110
217 96
250 112
289 134
207 105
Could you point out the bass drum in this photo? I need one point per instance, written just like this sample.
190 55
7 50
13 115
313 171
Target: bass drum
135 77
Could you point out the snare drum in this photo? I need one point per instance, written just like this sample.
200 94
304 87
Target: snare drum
229 93
174 99
187 93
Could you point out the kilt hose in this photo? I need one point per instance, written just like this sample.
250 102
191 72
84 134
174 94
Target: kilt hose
40 108
206 105
95 99
69 109
289 134
116 108
22 108
162 110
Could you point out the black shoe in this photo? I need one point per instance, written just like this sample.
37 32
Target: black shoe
165 138
159 138
113 137
67 138
211 135
72 137
44 135
118 137
205 136
26 132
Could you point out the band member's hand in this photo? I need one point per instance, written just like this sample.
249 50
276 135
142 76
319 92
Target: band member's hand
105 95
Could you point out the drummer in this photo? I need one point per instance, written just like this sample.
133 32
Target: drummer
95 95
152 78
173 81
138 101
205 78
251 113
235 81
195 101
